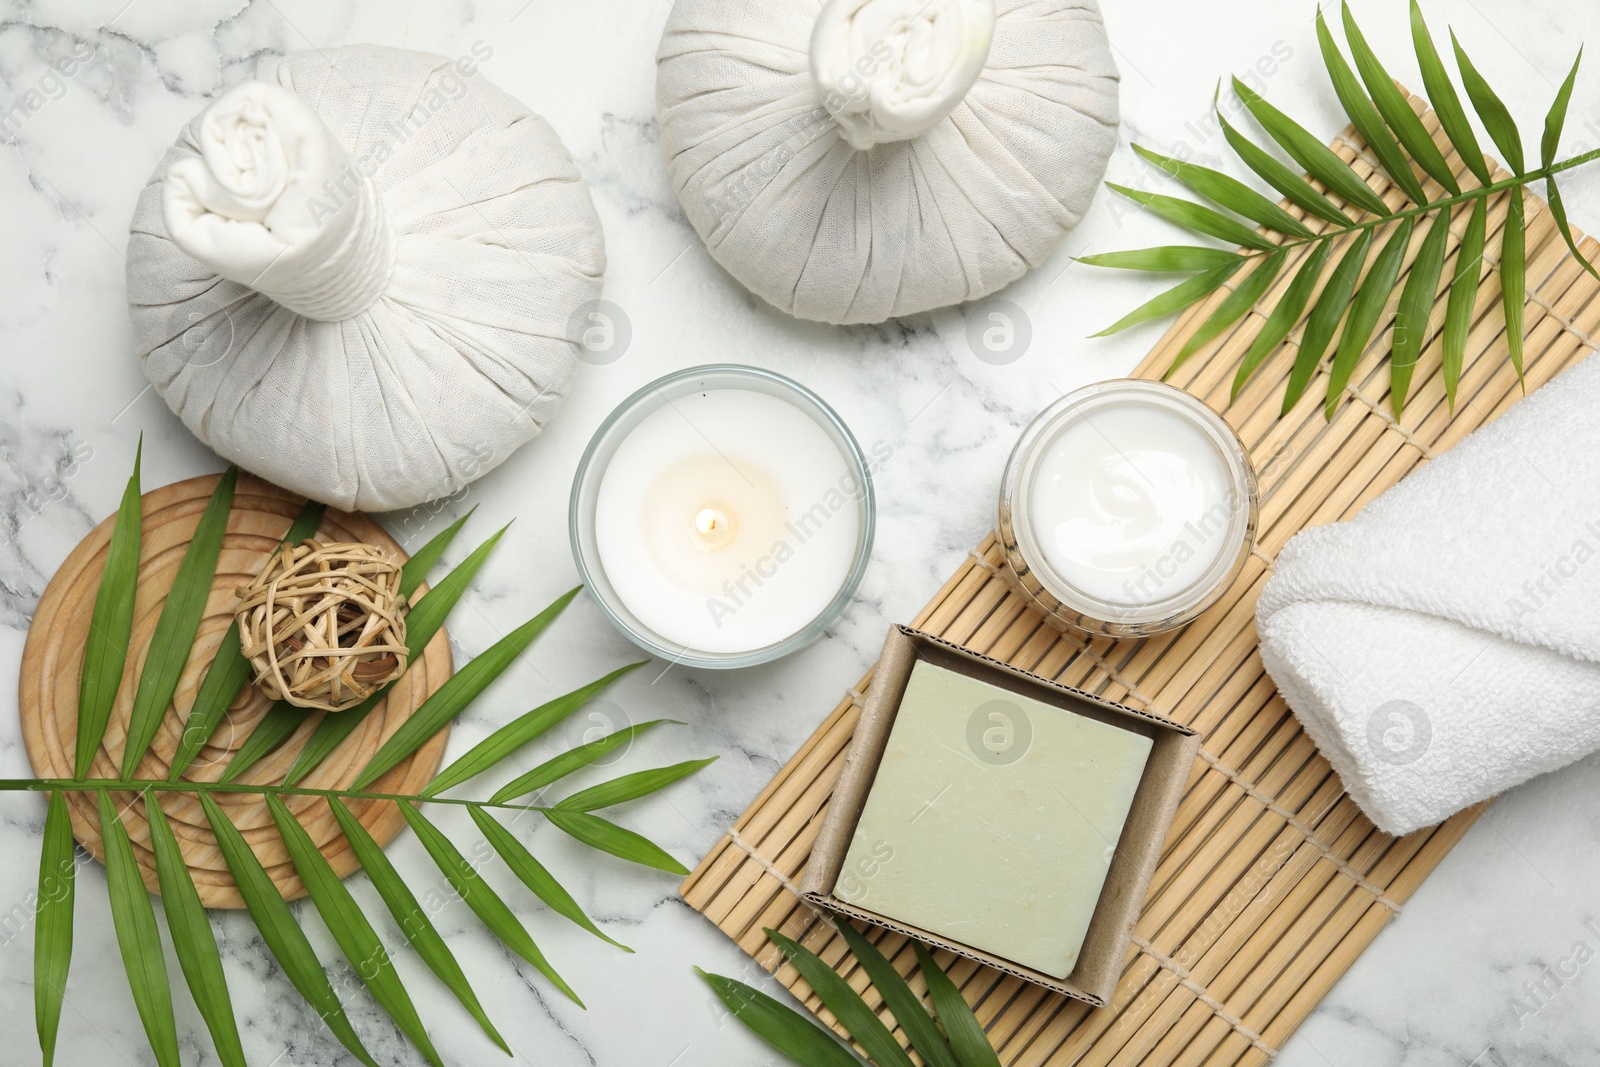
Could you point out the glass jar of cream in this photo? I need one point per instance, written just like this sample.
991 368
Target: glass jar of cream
1126 510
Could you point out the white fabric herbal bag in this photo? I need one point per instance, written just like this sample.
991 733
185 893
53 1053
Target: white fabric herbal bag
364 275
858 160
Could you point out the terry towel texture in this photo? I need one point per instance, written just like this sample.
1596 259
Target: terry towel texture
1444 644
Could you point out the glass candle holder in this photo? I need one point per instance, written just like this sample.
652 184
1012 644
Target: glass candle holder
1126 509
722 516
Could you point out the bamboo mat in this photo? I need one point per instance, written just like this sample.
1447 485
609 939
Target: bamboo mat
1271 882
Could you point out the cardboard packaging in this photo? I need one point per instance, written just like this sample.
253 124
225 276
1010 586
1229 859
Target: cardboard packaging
1100 961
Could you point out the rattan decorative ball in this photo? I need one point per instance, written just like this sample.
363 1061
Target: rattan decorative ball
324 625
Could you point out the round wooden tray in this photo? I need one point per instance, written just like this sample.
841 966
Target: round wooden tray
53 656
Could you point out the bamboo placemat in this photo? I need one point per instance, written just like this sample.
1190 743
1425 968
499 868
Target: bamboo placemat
1271 882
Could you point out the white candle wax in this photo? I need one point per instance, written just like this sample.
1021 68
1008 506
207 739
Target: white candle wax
1131 503
727 520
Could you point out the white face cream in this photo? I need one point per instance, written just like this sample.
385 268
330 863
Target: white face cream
1127 508
1131 502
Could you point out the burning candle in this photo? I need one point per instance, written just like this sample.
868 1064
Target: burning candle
1126 509
722 516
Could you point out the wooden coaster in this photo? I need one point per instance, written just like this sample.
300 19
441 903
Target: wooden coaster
53 657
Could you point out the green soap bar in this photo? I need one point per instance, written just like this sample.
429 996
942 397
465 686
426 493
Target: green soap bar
992 819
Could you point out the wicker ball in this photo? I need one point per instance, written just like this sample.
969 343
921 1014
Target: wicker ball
324 625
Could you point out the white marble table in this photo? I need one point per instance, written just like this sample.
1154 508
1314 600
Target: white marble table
1510 910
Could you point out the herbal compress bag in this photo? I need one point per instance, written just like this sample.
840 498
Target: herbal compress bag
364 275
857 160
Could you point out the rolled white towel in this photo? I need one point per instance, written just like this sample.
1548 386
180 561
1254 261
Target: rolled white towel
890 70
254 206
1444 644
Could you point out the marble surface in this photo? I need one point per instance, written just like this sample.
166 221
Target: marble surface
1493 962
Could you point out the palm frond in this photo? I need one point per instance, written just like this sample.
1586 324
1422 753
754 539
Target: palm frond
950 1037
134 916
1412 160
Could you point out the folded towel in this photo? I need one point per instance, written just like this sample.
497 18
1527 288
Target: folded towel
1444 644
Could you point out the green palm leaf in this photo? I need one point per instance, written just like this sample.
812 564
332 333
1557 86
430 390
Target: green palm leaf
1170 259
1330 308
194 944
1553 124
1368 123
1411 316
1233 306
110 625
535 876
632 786
1513 269
559 767
52 938
897 995
966 1034
274 728
1196 217
179 622
460 690
845 1003
609 837
344 919
780 1026
229 671
422 623
1491 109
1394 108
1442 95
1365 310
1229 192
483 900
192 939
1280 177
1317 158
1177 298
519 732
1416 301
410 917
135 922
279 930
1284 315
417 567
1463 296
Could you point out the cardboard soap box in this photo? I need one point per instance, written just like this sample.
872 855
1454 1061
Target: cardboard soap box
1100 961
